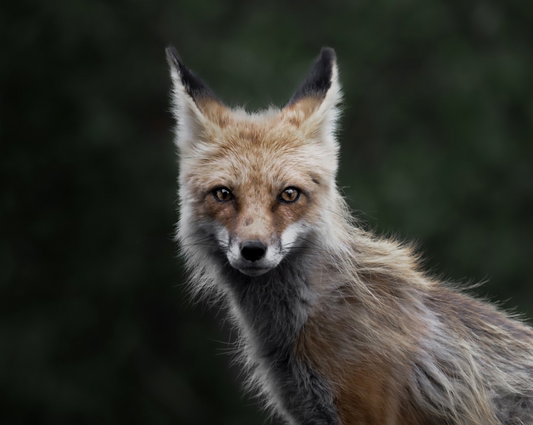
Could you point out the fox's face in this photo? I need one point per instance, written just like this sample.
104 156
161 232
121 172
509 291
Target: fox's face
255 188
255 196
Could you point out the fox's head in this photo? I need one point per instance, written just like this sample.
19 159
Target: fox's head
256 188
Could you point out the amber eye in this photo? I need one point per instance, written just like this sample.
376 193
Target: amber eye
222 194
291 194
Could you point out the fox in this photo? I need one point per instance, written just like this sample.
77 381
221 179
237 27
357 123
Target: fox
337 325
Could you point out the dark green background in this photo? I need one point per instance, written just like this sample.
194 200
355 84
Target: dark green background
95 327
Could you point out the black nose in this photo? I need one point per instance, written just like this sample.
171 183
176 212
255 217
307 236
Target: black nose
253 251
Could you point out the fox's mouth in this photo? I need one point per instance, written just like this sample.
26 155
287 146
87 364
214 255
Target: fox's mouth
254 270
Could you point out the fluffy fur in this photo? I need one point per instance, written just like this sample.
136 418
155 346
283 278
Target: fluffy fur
337 326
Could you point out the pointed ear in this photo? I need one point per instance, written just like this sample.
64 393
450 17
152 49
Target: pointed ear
195 106
313 107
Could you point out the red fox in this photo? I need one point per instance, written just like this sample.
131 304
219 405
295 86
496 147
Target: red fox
338 326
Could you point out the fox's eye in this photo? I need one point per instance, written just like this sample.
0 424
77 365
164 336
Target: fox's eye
222 194
291 194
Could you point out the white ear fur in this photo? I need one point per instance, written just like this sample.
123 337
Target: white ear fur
189 118
322 122
314 106
192 101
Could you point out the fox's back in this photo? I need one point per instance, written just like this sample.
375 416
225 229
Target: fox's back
424 356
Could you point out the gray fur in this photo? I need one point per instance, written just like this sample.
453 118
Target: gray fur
273 308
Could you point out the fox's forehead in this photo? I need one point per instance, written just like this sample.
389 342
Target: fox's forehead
246 156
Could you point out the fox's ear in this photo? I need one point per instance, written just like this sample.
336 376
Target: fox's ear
195 106
314 106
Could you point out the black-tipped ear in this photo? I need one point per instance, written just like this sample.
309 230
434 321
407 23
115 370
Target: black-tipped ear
194 86
194 105
318 81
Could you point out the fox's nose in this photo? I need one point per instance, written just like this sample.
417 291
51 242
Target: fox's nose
253 250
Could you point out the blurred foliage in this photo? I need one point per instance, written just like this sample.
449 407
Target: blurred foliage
95 327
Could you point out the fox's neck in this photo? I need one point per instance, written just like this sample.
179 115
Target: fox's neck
273 308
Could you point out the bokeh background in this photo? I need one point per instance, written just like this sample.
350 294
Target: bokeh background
95 325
